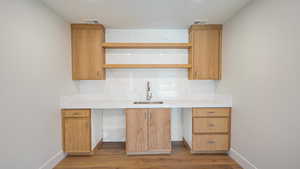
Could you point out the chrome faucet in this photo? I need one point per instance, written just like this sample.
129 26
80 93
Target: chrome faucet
148 91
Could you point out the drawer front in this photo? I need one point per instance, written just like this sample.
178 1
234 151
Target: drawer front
77 113
211 112
210 143
210 125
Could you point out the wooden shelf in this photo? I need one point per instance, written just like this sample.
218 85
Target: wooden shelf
148 45
137 66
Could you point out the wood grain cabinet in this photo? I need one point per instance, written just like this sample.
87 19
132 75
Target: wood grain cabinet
211 129
78 131
207 130
148 131
205 53
88 55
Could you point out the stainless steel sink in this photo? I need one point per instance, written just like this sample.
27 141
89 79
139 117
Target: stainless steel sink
149 102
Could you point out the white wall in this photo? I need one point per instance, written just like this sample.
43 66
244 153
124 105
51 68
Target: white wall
130 84
261 69
34 72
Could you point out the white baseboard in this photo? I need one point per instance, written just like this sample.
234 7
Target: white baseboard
113 140
53 161
241 160
177 139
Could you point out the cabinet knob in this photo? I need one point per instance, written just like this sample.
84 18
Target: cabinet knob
211 142
211 125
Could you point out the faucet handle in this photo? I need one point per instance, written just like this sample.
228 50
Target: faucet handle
148 85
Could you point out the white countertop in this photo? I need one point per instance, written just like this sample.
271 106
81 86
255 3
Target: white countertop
94 102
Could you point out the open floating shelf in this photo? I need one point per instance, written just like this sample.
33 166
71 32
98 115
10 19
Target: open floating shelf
148 45
140 66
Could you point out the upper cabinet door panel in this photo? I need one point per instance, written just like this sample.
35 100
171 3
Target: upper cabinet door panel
88 56
205 55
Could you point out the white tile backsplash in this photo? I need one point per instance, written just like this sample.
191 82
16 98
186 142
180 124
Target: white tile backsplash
134 88
146 58
147 35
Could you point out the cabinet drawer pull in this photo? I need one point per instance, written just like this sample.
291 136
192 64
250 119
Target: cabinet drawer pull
211 142
76 113
211 112
211 125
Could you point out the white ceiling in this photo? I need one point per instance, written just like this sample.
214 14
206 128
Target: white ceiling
146 13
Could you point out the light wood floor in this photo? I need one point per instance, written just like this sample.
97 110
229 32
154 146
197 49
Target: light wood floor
113 156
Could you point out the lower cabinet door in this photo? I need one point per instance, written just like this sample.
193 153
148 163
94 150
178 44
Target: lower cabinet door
210 143
77 135
159 130
136 130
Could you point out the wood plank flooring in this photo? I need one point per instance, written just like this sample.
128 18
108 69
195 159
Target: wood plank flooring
113 156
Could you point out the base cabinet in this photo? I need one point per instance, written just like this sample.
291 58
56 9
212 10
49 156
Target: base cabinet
209 130
148 131
78 127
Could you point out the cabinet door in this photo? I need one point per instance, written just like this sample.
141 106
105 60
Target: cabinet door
136 130
77 134
205 52
159 130
87 53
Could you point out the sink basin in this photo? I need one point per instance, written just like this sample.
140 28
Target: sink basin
149 102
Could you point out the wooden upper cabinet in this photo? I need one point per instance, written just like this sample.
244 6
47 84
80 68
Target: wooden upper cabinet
88 55
205 54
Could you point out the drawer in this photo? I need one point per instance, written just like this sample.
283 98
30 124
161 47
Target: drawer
210 125
211 112
77 113
210 143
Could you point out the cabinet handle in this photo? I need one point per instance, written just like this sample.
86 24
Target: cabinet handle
211 125
211 112
211 142
146 115
76 113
